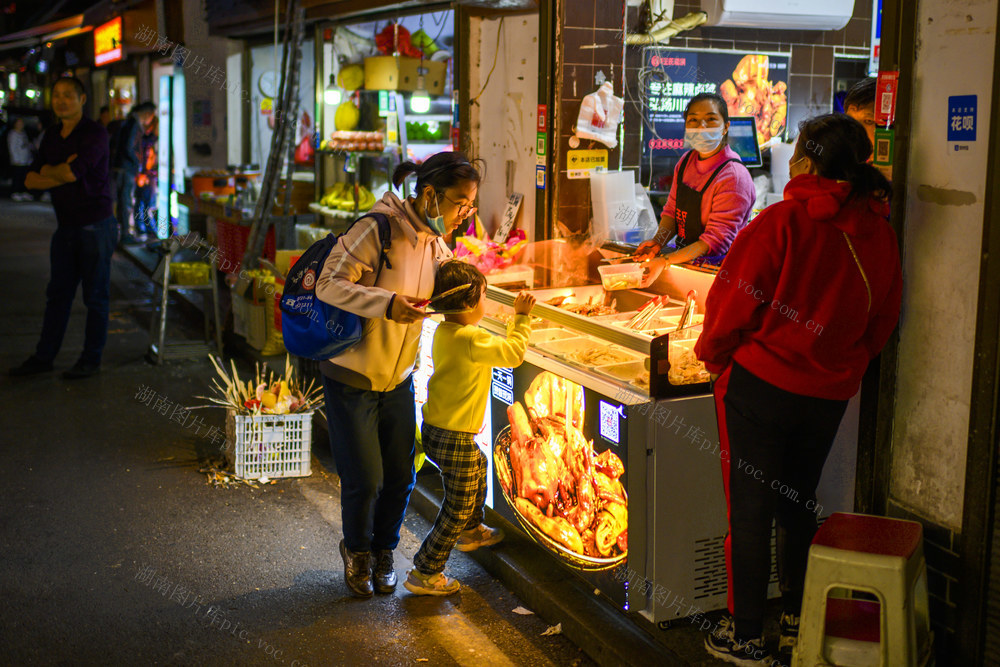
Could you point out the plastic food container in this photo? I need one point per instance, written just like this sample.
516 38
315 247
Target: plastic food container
588 352
685 368
545 335
630 372
621 276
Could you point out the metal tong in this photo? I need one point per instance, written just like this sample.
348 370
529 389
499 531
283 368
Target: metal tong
687 315
646 313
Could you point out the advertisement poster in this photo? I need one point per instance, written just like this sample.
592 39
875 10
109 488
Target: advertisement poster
559 457
754 84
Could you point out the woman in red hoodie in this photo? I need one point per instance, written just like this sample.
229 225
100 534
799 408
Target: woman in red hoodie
808 295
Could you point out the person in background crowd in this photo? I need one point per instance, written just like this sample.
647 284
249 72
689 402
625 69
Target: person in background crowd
860 105
22 154
126 164
826 287
712 194
369 387
457 393
145 181
105 116
73 165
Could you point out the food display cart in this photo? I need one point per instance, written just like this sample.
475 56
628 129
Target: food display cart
603 445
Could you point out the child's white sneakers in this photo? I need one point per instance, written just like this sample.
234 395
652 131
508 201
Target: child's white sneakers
419 583
480 536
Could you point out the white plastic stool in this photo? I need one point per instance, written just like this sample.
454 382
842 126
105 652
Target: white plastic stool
880 556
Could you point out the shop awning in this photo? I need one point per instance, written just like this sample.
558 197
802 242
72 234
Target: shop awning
239 18
47 32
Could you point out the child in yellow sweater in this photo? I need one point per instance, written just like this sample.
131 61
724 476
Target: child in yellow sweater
464 358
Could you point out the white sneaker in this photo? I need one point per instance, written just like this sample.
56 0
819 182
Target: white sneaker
419 583
480 536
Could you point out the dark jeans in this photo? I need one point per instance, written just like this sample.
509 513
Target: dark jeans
125 193
18 173
79 254
778 444
145 221
372 440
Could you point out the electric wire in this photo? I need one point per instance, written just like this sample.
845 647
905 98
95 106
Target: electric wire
496 53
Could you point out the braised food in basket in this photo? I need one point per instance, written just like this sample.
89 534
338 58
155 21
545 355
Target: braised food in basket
564 493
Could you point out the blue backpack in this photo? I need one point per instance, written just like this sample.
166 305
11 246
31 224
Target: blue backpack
310 327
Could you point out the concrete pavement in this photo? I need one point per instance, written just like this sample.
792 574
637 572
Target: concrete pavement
113 550
113 545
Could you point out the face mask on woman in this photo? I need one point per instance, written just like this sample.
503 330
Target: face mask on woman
703 139
436 222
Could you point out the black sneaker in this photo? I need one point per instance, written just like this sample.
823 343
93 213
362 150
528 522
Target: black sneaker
32 366
789 636
723 644
82 369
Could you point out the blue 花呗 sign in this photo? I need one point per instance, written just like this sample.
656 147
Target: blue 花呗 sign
962 118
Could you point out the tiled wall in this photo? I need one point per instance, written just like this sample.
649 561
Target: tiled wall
589 40
942 549
810 80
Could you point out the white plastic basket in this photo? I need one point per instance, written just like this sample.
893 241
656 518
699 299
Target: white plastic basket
270 446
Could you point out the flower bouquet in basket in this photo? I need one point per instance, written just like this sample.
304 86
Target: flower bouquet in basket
268 421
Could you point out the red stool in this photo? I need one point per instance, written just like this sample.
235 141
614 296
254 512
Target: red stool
876 555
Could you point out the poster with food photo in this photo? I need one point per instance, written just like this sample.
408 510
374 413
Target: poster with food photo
752 84
559 467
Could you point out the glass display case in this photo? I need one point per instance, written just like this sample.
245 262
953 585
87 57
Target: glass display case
631 338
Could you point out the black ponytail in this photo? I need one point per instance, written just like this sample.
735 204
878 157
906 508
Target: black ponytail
839 147
441 171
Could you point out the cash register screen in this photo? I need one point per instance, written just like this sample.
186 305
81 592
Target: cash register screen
743 140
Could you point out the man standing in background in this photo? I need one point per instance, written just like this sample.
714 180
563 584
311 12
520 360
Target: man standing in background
105 116
22 154
126 163
72 164
860 105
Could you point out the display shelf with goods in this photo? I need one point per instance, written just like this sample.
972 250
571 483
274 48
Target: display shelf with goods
370 75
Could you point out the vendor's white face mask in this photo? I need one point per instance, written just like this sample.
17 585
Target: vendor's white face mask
703 139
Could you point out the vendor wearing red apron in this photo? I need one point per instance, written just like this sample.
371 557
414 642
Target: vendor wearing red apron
712 192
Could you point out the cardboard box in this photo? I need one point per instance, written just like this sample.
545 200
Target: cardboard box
400 73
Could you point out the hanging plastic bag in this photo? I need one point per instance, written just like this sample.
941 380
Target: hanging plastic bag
600 114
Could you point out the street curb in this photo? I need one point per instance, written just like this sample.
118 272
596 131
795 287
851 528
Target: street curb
603 633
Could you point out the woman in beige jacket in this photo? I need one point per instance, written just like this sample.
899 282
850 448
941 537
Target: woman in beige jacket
369 388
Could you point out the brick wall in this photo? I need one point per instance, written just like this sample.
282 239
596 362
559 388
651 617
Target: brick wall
942 549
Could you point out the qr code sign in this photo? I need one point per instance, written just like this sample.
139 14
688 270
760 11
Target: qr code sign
609 422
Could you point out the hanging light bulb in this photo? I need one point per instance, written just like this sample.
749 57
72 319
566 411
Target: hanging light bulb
420 101
332 94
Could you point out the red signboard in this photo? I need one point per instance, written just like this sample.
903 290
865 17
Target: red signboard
885 98
542 122
108 42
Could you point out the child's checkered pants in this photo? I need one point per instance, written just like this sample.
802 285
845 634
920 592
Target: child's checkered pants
463 469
